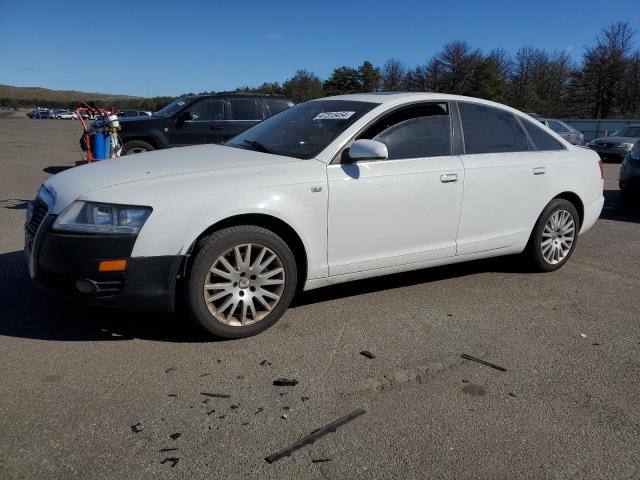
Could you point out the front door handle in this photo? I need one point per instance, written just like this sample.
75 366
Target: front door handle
539 170
216 127
449 177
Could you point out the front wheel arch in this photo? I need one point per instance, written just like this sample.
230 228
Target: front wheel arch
269 222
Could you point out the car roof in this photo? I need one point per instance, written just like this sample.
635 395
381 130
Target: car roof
392 98
240 95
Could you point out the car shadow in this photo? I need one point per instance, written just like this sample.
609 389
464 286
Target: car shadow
56 169
28 312
614 209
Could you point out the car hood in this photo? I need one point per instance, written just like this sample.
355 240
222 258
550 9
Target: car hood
67 186
615 139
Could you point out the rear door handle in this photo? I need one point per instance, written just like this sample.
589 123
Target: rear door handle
216 127
449 177
539 170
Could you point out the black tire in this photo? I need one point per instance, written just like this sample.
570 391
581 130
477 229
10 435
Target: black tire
208 250
534 249
137 146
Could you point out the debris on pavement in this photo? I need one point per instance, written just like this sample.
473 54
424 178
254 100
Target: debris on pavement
212 411
264 362
488 364
583 335
260 410
215 395
304 399
284 382
170 369
167 449
173 460
321 460
175 436
234 406
511 394
315 435
284 416
137 428
367 354
172 395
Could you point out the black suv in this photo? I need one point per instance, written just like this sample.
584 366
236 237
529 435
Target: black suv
199 119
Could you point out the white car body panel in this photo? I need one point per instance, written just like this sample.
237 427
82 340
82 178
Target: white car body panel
355 221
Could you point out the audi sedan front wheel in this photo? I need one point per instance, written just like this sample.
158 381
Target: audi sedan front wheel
240 282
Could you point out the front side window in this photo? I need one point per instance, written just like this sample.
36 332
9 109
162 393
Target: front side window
208 110
542 141
302 131
557 127
414 132
245 109
491 130
630 131
174 107
277 105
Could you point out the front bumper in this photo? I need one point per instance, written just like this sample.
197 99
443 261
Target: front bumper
57 261
607 153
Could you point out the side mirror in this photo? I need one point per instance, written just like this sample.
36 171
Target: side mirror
367 150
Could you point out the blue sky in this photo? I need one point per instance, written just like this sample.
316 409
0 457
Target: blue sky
180 46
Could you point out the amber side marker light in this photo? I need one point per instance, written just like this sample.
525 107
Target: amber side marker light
112 266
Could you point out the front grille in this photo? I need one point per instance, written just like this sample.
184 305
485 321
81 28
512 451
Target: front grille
40 210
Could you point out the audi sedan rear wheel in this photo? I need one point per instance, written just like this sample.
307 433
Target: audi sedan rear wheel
241 281
554 236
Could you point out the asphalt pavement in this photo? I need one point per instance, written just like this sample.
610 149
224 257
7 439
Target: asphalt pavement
87 393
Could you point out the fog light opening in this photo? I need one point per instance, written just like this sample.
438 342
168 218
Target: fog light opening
85 286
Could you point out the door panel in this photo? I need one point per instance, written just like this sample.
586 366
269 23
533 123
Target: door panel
502 198
394 212
207 125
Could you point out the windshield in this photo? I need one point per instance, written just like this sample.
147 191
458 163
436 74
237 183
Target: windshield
630 131
173 107
302 131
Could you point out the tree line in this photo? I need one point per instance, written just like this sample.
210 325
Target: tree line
605 83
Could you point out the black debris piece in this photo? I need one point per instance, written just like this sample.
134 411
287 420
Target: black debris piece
465 381
595 344
234 406
172 395
206 400
168 450
286 408
282 394
260 410
173 460
263 363
221 417
285 382
511 394
309 439
449 315
321 460
215 395
482 362
240 377
170 369
203 374
137 428
212 411
367 354
219 360
304 399
175 436
244 423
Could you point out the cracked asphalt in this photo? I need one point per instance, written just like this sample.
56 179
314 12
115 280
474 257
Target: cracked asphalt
87 393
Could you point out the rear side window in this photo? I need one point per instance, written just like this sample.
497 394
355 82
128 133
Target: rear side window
416 132
491 130
557 127
245 109
277 105
541 139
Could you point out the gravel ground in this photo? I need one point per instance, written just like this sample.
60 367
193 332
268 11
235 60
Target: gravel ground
74 380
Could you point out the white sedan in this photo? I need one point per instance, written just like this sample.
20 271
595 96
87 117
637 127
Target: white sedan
329 191
66 115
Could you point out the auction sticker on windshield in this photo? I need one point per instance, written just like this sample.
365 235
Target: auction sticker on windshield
333 115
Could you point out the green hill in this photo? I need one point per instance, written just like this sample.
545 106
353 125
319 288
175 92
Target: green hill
30 93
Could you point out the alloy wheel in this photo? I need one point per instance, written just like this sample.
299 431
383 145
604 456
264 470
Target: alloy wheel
244 284
558 236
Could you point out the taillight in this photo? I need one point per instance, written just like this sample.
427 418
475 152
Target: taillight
601 165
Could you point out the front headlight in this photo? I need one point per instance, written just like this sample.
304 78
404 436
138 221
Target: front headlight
627 145
91 217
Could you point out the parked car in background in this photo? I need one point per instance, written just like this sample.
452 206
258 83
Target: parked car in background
133 113
199 119
629 179
43 115
66 115
618 145
32 113
331 190
570 134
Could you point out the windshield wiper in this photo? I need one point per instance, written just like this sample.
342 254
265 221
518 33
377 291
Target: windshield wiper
259 146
